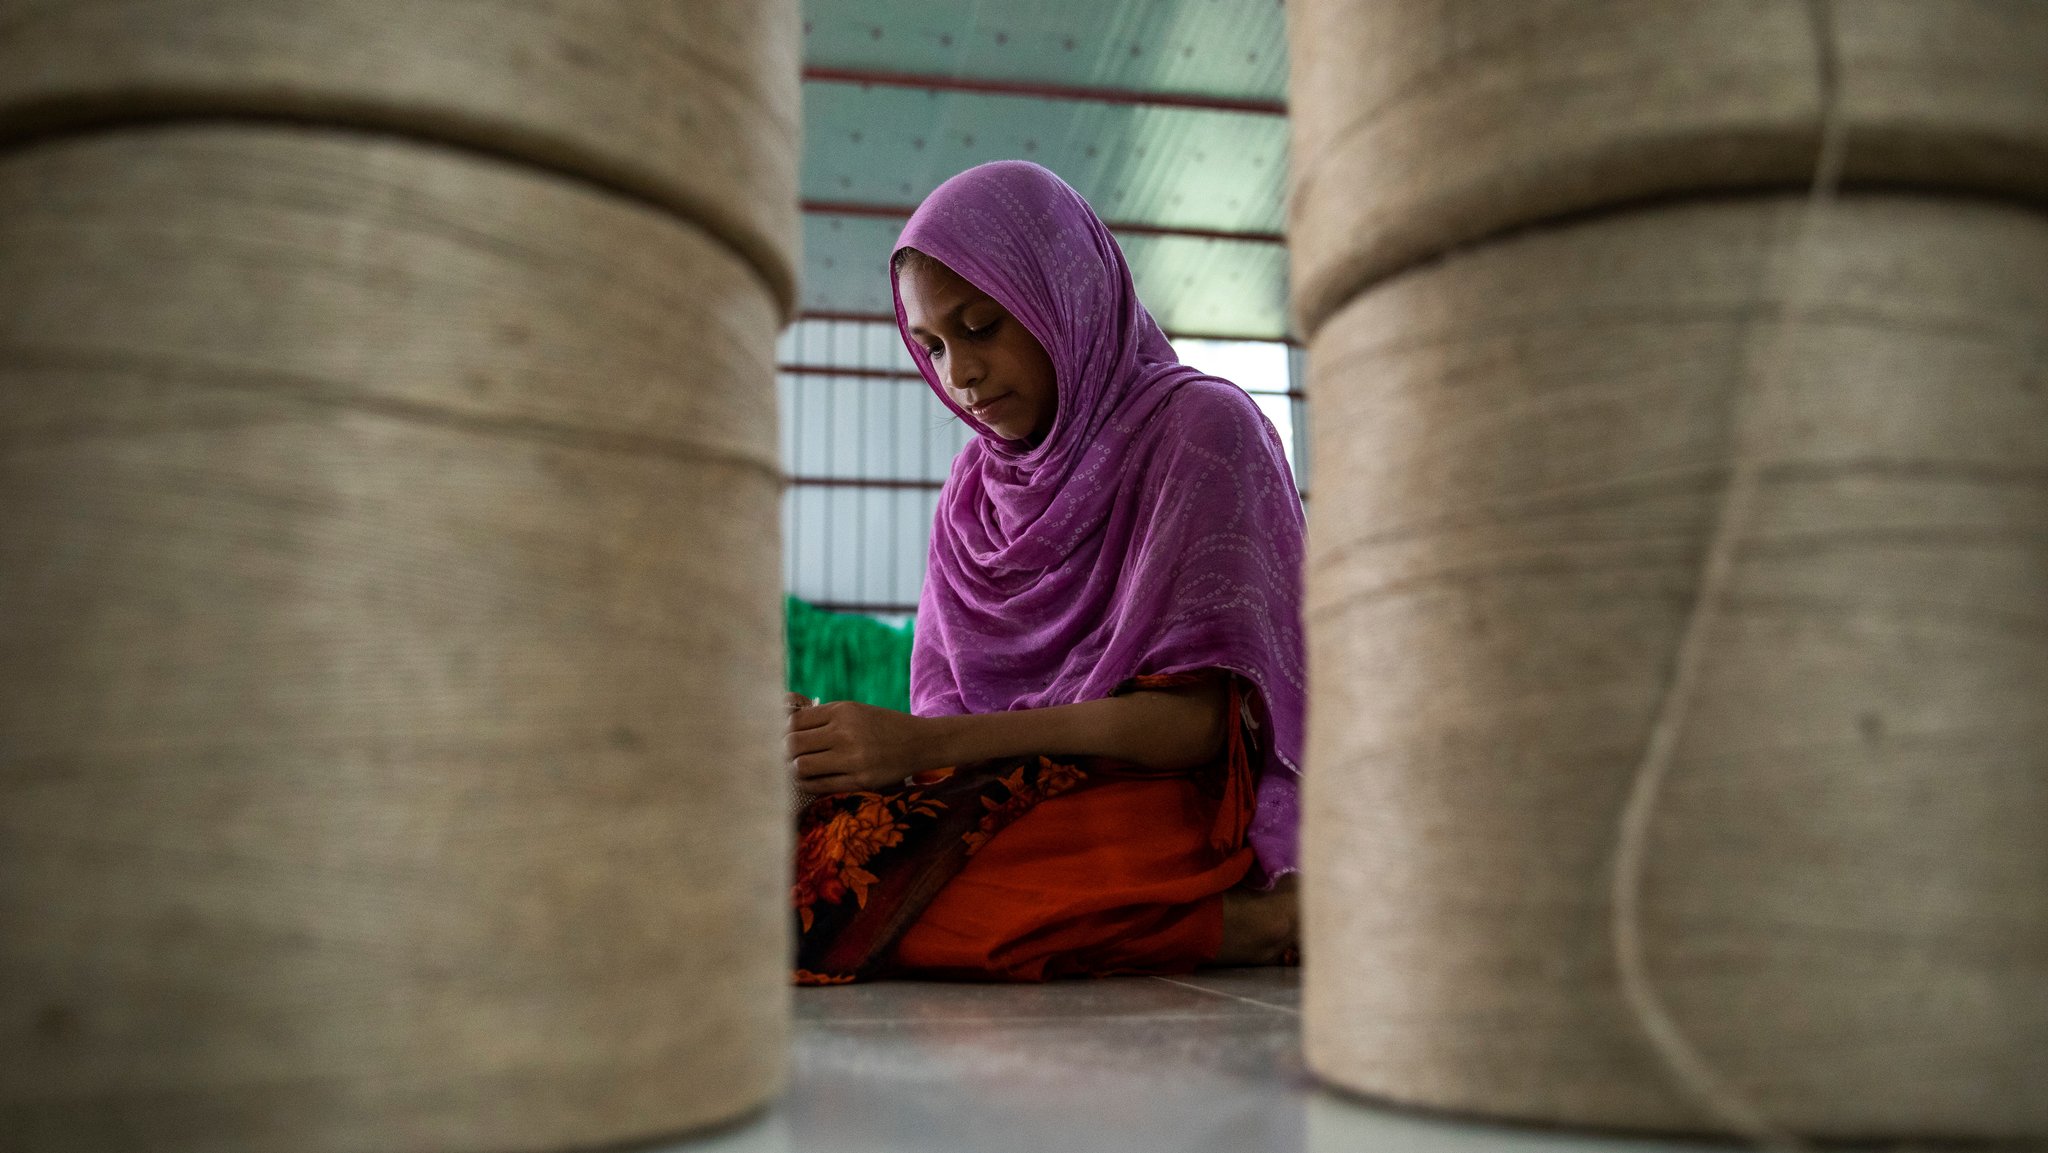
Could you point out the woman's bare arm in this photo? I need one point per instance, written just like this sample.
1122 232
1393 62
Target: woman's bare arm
1165 729
842 746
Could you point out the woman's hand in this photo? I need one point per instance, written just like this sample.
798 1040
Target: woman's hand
845 747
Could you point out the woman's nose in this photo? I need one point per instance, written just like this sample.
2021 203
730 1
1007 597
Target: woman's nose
963 371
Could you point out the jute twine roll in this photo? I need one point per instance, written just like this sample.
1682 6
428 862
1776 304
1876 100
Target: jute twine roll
693 106
1522 455
389 691
1430 123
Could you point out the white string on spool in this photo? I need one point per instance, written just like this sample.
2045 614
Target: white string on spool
1758 413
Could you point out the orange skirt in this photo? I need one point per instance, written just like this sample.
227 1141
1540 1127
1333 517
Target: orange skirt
1120 878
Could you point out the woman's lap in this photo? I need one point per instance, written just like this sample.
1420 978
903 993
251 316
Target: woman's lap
1118 878
1026 869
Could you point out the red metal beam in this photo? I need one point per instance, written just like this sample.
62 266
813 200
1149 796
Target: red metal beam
900 610
866 373
1038 90
848 317
865 482
1131 227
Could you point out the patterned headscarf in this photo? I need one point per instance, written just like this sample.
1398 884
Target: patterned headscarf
1155 529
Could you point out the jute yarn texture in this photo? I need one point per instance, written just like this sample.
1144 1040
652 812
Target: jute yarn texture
1424 124
1522 451
690 105
389 684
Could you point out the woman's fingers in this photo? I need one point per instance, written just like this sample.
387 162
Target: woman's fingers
798 743
815 766
837 747
810 717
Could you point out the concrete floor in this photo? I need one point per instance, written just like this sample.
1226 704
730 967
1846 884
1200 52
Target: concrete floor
1204 1064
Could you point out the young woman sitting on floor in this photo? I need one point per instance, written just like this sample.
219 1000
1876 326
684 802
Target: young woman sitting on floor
1099 772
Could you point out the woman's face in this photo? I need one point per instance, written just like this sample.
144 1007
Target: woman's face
988 363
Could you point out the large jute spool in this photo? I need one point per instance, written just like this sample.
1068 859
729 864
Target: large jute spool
693 106
1522 454
1429 123
389 694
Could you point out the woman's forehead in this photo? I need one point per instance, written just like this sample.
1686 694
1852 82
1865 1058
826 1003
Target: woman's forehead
934 290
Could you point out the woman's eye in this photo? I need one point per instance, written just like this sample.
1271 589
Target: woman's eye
933 353
984 330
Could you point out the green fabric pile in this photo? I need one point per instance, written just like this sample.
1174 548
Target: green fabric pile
841 657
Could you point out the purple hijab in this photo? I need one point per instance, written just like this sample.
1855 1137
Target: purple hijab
1156 529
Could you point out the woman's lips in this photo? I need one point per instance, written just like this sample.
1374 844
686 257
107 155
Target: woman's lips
981 411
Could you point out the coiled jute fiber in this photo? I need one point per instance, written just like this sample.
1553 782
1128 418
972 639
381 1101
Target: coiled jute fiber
693 106
1429 123
1844 878
1678 587
390 689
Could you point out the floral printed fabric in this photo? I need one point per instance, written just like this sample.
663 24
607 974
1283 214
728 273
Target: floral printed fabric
868 864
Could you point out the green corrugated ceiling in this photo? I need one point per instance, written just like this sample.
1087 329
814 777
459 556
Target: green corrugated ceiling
1085 88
